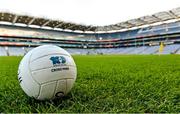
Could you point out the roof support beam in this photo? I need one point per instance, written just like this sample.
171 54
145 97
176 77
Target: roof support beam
119 27
126 25
70 27
159 19
89 28
59 25
143 21
130 24
110 28
31 21
116 27
15 19
45 23
173 15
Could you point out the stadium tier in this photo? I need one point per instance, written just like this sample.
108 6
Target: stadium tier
164 29
169 49
140 41
17 40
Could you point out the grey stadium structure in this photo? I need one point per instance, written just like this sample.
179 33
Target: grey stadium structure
20 33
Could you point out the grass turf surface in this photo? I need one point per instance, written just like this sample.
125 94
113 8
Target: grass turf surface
104 84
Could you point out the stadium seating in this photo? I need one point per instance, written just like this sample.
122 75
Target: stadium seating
27 49
3 51
150 50
41 33
16 51
27 32
177 51
169 49
75 48
138 50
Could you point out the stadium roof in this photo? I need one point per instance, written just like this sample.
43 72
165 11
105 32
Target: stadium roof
41 22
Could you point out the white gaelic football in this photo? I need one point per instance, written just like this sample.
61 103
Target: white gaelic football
47 72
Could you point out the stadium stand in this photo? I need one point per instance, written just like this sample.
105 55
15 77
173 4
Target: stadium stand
150 50
3 51
170 49
16 51
178 52
130 37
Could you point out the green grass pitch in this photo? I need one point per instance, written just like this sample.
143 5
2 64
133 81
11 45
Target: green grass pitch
114 83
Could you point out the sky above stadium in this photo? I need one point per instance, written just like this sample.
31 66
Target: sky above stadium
89 12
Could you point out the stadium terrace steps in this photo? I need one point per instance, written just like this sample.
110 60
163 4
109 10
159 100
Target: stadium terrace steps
138 50
143 50
169 49
169 28
151 50
16 51
128 50
3 51
178 51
